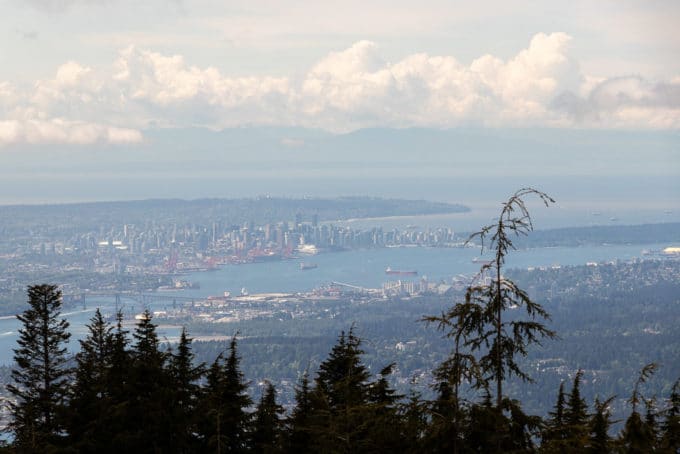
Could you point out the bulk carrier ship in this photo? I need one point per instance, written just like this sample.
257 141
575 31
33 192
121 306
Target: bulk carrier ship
389 270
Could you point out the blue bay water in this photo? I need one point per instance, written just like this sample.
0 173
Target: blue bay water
364 268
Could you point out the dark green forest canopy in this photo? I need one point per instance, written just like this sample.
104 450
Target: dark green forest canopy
347 408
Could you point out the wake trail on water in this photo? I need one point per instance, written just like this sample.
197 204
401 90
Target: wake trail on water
84 311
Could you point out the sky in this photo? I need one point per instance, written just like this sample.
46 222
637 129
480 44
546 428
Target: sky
442 100
90 72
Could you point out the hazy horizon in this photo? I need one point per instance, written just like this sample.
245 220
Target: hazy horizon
445 102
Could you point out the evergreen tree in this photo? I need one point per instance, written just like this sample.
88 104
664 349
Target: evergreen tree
481 327
342 377
576 418
266 437
41 377
554 434
447 413
118 385
324 433
148 417
480 322
599 441
446 420
634 438
341 394
384 424
481 316
298 425
651 424
90 399
345 412
225 422
487 429
523 428
121 359
637 436
381 392
184 377
414 423
670 428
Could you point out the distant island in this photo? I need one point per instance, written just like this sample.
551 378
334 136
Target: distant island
259 210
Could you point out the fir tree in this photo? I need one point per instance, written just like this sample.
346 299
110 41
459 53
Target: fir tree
414 423
636 436
341 416
670 428
266 437
554 433
342 377
482 313
90 399
523 428
480 323
651 424
460 367
384 423
184 377
381 392
119 386
298 425
446 420
487 429
599 441
225 422
121 359
576 417
41 377
487 341
148 418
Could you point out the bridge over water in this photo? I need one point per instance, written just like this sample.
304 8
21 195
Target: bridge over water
144 299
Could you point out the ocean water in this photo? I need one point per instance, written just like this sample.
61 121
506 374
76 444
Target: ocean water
364 268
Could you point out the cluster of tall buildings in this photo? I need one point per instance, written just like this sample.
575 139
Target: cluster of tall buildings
166 247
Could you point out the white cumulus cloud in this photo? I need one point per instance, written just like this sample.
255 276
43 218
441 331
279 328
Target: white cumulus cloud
359 89
625 102
164 80
58 131
541 85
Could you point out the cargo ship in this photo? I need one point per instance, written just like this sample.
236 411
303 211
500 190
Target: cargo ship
389 270
308 266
